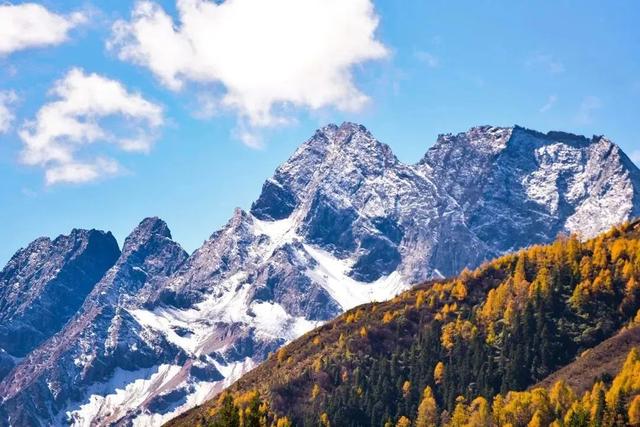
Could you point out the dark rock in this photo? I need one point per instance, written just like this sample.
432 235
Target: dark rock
43 285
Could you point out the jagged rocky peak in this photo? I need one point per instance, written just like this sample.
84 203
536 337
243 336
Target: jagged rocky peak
149 227
348 137
149 256
346 154
240 218
482 141
44 284
151 240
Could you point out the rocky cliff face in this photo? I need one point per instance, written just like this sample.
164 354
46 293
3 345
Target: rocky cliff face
342 222
516 186
44 284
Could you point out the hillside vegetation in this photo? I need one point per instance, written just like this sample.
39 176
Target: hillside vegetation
461 351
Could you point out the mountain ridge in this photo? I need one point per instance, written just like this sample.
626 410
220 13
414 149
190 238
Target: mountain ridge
341 223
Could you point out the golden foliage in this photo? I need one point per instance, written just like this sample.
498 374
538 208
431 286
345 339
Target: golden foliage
283 422
315 391
420 297
428 410
634 411
388 317
403 422
459 290
406 388
281 355
438 373
460 329
324 420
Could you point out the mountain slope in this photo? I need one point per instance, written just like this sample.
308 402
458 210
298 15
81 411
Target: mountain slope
505 326
44 284
601 361
343 222
101 340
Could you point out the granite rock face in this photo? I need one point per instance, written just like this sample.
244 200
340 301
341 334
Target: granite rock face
342 222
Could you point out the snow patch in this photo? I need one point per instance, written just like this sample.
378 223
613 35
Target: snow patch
110 401
331 273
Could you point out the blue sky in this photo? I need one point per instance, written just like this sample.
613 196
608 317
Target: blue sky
432 68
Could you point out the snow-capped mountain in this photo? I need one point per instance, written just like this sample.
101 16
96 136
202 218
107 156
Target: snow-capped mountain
341 223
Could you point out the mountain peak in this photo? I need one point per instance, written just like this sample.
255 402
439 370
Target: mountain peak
43 285
335 132
147 229
348 134
348 152
154 225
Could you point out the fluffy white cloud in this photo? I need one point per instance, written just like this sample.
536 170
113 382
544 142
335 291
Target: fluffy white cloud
59 138
31 25
265 55
7 98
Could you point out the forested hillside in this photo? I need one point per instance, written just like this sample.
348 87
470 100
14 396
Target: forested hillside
460 351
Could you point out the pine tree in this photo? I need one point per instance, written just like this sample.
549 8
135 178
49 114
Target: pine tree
428 410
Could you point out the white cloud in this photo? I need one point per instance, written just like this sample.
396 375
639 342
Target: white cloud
546 62
248 137
427 58
59 138
551 101
7 99
31 25
264 55
588 106
635 156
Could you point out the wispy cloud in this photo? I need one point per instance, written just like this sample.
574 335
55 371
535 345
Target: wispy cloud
28 25
588 106
58 139
427 58
246 47
635 156
7 100
249 137
545 62
551 101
